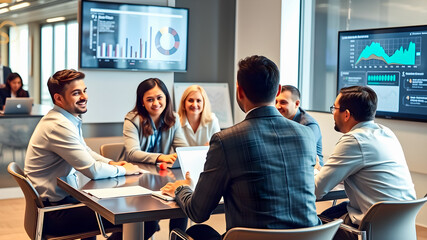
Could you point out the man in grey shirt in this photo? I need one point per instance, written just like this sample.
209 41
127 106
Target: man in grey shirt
288 103
57 149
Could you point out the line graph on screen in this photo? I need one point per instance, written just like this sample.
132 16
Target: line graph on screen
396 51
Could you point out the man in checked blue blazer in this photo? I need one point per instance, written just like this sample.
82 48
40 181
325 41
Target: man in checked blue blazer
263 166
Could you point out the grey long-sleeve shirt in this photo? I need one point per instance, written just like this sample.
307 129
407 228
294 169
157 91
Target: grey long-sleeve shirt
137 145
57 149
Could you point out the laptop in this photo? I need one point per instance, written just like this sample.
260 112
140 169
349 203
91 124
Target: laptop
192 159
22 105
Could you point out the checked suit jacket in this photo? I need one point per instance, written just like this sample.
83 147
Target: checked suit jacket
263 168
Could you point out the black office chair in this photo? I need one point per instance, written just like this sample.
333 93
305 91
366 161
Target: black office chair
35 210
321 232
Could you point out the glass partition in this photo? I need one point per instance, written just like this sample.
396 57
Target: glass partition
318 74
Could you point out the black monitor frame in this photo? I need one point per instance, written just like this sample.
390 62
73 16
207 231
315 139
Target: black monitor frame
143 58
399 78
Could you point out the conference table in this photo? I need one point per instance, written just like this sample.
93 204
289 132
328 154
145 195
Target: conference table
133 211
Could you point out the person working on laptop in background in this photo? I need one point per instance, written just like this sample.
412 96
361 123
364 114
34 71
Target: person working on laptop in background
151 131
288 103
57 149
13 89
262 167
197 121
368 158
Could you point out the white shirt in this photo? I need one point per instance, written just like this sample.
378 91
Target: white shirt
370 161
57 149
203 134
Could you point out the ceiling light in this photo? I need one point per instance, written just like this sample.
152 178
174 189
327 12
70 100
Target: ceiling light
18 6
19 0
56 19
3 5
3 10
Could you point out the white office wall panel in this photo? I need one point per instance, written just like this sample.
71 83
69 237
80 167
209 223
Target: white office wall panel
113 93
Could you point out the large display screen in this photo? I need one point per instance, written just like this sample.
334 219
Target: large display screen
393 62
134 37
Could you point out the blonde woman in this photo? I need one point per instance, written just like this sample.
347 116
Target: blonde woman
197 121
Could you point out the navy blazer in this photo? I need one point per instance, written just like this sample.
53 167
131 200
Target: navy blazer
6 72
263 167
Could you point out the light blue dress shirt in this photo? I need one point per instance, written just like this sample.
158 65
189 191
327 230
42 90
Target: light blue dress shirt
370 161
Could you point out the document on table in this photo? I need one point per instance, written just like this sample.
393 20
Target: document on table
118 192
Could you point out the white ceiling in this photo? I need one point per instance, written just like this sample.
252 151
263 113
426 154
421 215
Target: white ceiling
40 10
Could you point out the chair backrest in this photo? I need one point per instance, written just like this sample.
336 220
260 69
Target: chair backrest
32 198
321 232
113 151
392 220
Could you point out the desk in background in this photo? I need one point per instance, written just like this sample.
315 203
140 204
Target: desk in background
132 211
15 133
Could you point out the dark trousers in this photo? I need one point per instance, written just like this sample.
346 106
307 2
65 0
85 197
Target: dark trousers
180 223
340 211
82 219
203 232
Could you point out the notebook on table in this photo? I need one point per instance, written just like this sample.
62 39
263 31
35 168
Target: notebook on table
18 105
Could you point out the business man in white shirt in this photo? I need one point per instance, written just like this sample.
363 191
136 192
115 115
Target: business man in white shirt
368 158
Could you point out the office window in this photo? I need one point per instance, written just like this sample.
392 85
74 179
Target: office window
46 61
18 52
59 46
72 45
322 19
59 50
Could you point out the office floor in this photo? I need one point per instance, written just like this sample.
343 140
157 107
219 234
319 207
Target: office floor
12 221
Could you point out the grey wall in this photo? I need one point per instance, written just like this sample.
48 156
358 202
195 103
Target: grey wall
211 42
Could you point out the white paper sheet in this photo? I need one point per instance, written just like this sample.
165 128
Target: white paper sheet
118 192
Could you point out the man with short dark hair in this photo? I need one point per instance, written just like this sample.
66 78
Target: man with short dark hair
368 158
262 167
57 149
288 103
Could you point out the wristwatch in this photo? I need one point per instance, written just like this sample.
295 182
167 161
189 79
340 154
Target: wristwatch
178 189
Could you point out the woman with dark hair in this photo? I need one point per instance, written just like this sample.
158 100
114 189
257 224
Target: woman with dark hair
151 131
13 89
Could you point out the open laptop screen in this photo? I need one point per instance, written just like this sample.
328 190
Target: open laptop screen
18 105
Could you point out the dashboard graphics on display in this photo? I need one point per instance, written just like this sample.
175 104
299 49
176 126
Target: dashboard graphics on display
136 37
393 62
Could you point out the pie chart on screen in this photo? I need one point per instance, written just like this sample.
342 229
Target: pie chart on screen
167 41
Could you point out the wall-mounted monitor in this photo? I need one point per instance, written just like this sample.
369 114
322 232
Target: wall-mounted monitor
393 62
116 35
